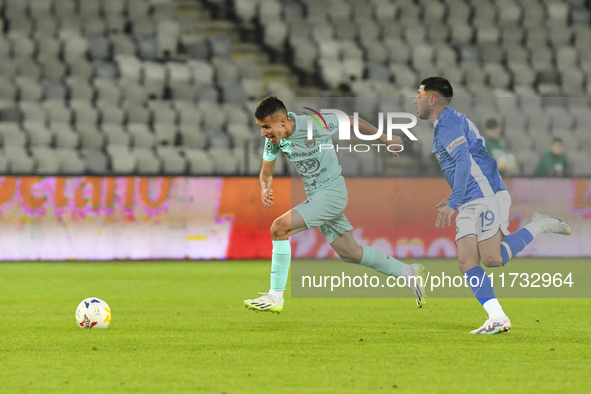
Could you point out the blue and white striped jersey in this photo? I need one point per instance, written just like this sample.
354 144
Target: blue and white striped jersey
468 168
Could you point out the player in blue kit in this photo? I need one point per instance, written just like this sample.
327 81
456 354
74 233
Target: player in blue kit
480 197
327 199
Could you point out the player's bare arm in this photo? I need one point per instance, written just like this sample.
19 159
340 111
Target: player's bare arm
444 213
368 129
266 180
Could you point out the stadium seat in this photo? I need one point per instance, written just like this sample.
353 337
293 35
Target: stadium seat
57 112
138 113
29 89
84 112
110 113
107 90
200 163
165 133
53 90
21 163
12 136
147 162
65 137
47 161
38 133
122 161
116 135
173 162
192 138
90 136
195 46
4 164
141 135
162 111
168 39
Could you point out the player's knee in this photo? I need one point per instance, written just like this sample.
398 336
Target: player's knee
280 229
492 261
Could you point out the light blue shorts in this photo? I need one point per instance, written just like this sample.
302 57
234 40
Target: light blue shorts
325 211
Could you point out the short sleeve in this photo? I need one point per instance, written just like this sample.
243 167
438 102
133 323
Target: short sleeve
270 151
452 139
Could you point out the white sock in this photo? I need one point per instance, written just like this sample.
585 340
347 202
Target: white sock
536 227
494 309
277 293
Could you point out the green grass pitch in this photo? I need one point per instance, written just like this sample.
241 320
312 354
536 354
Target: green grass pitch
182 328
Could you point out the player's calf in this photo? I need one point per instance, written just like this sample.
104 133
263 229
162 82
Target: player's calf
351 255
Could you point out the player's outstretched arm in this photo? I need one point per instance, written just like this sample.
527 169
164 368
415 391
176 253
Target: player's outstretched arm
368 129
266 180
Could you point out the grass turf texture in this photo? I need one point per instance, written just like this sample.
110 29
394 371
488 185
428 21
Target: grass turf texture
182 327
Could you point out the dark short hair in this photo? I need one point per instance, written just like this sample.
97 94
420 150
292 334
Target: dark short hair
269 106
557 139
492 123
439 85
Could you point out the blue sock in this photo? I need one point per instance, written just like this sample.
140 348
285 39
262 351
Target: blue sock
483 290
514 243
280 264
381 262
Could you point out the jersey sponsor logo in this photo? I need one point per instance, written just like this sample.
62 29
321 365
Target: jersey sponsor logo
312 176
455 143
306 154
317 185
307 166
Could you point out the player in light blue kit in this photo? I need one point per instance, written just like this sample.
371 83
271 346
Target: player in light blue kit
480 197
327 199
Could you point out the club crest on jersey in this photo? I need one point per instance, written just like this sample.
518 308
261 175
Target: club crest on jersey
455 143
310 143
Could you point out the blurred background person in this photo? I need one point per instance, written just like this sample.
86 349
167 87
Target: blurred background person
554 162
497 148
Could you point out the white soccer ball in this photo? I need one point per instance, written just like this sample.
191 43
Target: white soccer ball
93 313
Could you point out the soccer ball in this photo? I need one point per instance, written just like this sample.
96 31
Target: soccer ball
93 313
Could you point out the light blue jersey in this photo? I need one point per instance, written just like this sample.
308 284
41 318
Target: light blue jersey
319 169
468 168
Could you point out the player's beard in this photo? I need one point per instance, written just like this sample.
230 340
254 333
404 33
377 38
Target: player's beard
423 114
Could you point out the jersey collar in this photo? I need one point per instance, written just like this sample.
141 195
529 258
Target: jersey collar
442 114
